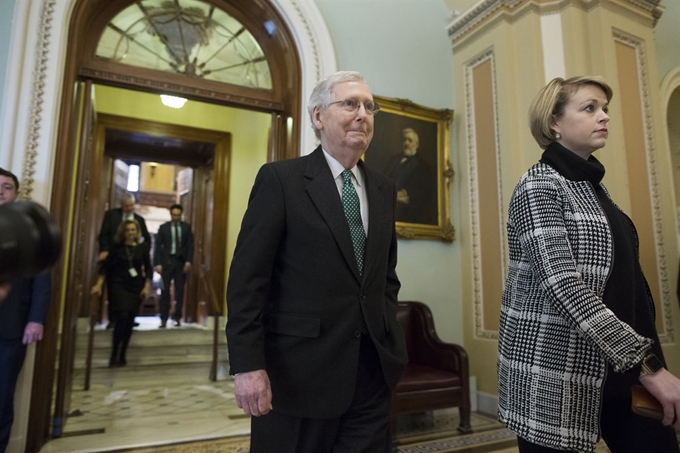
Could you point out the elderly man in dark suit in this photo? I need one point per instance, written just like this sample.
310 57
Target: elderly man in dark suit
23 313
107 233
113 218
173 253
313 340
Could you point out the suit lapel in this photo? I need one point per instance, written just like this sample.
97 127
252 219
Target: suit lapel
324 194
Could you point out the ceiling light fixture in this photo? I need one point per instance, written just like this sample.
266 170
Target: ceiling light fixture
173 101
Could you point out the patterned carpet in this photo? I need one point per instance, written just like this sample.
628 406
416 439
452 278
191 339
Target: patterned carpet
431 433
420 433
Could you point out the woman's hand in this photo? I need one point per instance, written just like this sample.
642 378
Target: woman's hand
666 388
96 289
145 291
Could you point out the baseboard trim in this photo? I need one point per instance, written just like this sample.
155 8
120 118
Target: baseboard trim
487 403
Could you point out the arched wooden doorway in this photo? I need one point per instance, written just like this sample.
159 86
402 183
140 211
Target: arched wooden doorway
73 204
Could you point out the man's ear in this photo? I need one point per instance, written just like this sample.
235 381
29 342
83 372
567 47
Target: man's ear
316 118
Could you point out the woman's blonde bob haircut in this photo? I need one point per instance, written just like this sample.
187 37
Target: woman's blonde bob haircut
550 101
120 233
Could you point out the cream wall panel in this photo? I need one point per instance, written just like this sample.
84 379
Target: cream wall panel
489 211
579 31
553 46
518 74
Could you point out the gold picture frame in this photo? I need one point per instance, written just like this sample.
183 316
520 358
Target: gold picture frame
424 178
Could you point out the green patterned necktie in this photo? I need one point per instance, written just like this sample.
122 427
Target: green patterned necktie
350 204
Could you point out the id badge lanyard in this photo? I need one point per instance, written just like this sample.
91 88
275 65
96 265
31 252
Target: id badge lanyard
131 270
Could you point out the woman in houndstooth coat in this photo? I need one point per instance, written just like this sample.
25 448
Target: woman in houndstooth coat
577 317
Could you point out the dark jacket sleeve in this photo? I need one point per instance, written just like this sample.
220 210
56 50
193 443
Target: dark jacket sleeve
159 245
145 231
146 257
40 298
105 232
248 290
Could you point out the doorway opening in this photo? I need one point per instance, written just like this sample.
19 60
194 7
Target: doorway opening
205 157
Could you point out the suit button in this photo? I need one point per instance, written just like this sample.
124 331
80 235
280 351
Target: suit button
357 333
363 297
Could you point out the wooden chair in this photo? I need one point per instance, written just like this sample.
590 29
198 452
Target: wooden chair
437 375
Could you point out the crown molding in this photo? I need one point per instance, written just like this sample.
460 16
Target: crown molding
486 13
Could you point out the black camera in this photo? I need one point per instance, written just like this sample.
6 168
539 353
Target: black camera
30 240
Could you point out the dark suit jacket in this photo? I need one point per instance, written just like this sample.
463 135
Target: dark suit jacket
109 228
163 245
415 176
27 301
295 297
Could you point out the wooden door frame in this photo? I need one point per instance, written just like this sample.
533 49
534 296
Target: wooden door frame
221 142
88 19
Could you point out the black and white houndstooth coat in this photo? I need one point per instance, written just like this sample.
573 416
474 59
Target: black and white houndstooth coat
556 334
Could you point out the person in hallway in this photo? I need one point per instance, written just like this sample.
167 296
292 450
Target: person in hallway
313 339
416 187
127 271
23 313
173 252
577 317
109 229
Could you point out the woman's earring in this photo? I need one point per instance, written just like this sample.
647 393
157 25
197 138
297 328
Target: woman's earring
558 136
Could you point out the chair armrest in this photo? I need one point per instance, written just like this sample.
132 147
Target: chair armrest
447 356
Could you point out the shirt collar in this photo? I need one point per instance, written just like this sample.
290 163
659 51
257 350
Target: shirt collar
337 168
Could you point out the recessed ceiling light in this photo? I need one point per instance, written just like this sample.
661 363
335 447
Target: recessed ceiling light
173 101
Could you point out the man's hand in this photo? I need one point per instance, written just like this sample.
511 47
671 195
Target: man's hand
402 196
4 290
666 388
187 267
33 332
253 392
103 255
159 269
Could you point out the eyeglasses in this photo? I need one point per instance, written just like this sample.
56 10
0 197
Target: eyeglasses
352 105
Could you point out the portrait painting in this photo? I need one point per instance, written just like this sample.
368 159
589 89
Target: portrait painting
411 147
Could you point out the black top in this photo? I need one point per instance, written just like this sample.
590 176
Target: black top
626 293
121 258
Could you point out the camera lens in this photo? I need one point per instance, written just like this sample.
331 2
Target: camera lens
30 240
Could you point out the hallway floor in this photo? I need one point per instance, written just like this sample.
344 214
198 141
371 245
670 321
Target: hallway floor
171 408
142 406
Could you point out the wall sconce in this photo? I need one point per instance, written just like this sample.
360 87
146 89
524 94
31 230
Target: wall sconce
153 166
173 101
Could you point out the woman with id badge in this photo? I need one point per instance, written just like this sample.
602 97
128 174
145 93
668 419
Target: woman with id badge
127 270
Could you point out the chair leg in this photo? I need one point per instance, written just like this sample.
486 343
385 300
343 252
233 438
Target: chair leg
464 426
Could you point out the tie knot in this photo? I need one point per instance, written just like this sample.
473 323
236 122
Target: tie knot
346 176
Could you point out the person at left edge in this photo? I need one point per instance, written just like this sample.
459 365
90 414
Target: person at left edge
23 313
313 339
